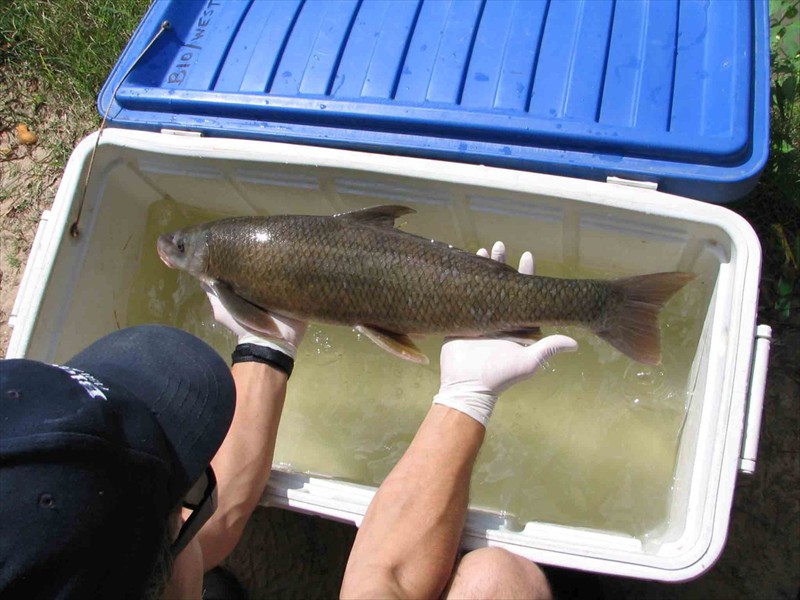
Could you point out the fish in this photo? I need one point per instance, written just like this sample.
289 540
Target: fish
358 269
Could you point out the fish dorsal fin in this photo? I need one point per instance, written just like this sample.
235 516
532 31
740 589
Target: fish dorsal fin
382 216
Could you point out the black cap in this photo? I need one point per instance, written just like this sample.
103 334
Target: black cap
96 454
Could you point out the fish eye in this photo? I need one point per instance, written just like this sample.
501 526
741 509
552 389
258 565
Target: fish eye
181 246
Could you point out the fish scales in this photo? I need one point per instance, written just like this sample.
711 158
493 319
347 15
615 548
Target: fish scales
341 272
357 269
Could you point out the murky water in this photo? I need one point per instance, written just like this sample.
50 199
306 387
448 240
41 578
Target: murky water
590 441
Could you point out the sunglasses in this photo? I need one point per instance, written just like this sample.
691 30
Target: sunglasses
202 501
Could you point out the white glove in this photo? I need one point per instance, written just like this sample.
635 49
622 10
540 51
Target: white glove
475 371
291 330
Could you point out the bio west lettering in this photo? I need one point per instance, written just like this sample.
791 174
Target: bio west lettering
191 49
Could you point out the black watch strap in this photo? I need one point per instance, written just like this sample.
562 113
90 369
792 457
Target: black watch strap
262 354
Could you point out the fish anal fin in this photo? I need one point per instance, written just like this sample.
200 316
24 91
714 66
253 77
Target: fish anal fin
633 327
527 335
380 216
256 320
398 344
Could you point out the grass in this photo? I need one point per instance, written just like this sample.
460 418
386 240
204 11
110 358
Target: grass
54 57
70 45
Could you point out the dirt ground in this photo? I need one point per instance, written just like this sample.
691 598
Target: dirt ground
29 176
19 217
289 555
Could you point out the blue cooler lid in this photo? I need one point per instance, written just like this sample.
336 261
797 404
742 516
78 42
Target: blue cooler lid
674 91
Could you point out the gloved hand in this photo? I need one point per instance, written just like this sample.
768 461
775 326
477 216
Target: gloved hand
475 371
291 330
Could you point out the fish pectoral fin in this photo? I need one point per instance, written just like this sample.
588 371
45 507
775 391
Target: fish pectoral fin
256 320
381 216
398 344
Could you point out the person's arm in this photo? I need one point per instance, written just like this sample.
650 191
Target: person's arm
243 463
408 542
242 467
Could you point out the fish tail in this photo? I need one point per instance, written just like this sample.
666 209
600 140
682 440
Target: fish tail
632 326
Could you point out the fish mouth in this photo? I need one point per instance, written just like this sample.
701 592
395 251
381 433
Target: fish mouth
164 246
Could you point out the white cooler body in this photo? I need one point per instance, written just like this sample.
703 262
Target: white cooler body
76 289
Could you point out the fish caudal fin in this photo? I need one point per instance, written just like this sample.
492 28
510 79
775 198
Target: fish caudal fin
632 327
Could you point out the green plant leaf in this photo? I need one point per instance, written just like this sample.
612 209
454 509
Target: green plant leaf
789 88
784 302
797 247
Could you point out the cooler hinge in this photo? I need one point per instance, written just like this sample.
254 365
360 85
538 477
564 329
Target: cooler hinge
647 185
182 132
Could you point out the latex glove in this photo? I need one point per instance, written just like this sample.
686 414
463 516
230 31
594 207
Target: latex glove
475 371
291 330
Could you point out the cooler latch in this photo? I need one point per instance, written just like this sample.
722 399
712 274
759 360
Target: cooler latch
755 400
647 185
182 132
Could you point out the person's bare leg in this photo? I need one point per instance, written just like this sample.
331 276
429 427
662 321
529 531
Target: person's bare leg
408 541
497 573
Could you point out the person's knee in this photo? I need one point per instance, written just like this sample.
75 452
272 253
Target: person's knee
497 573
